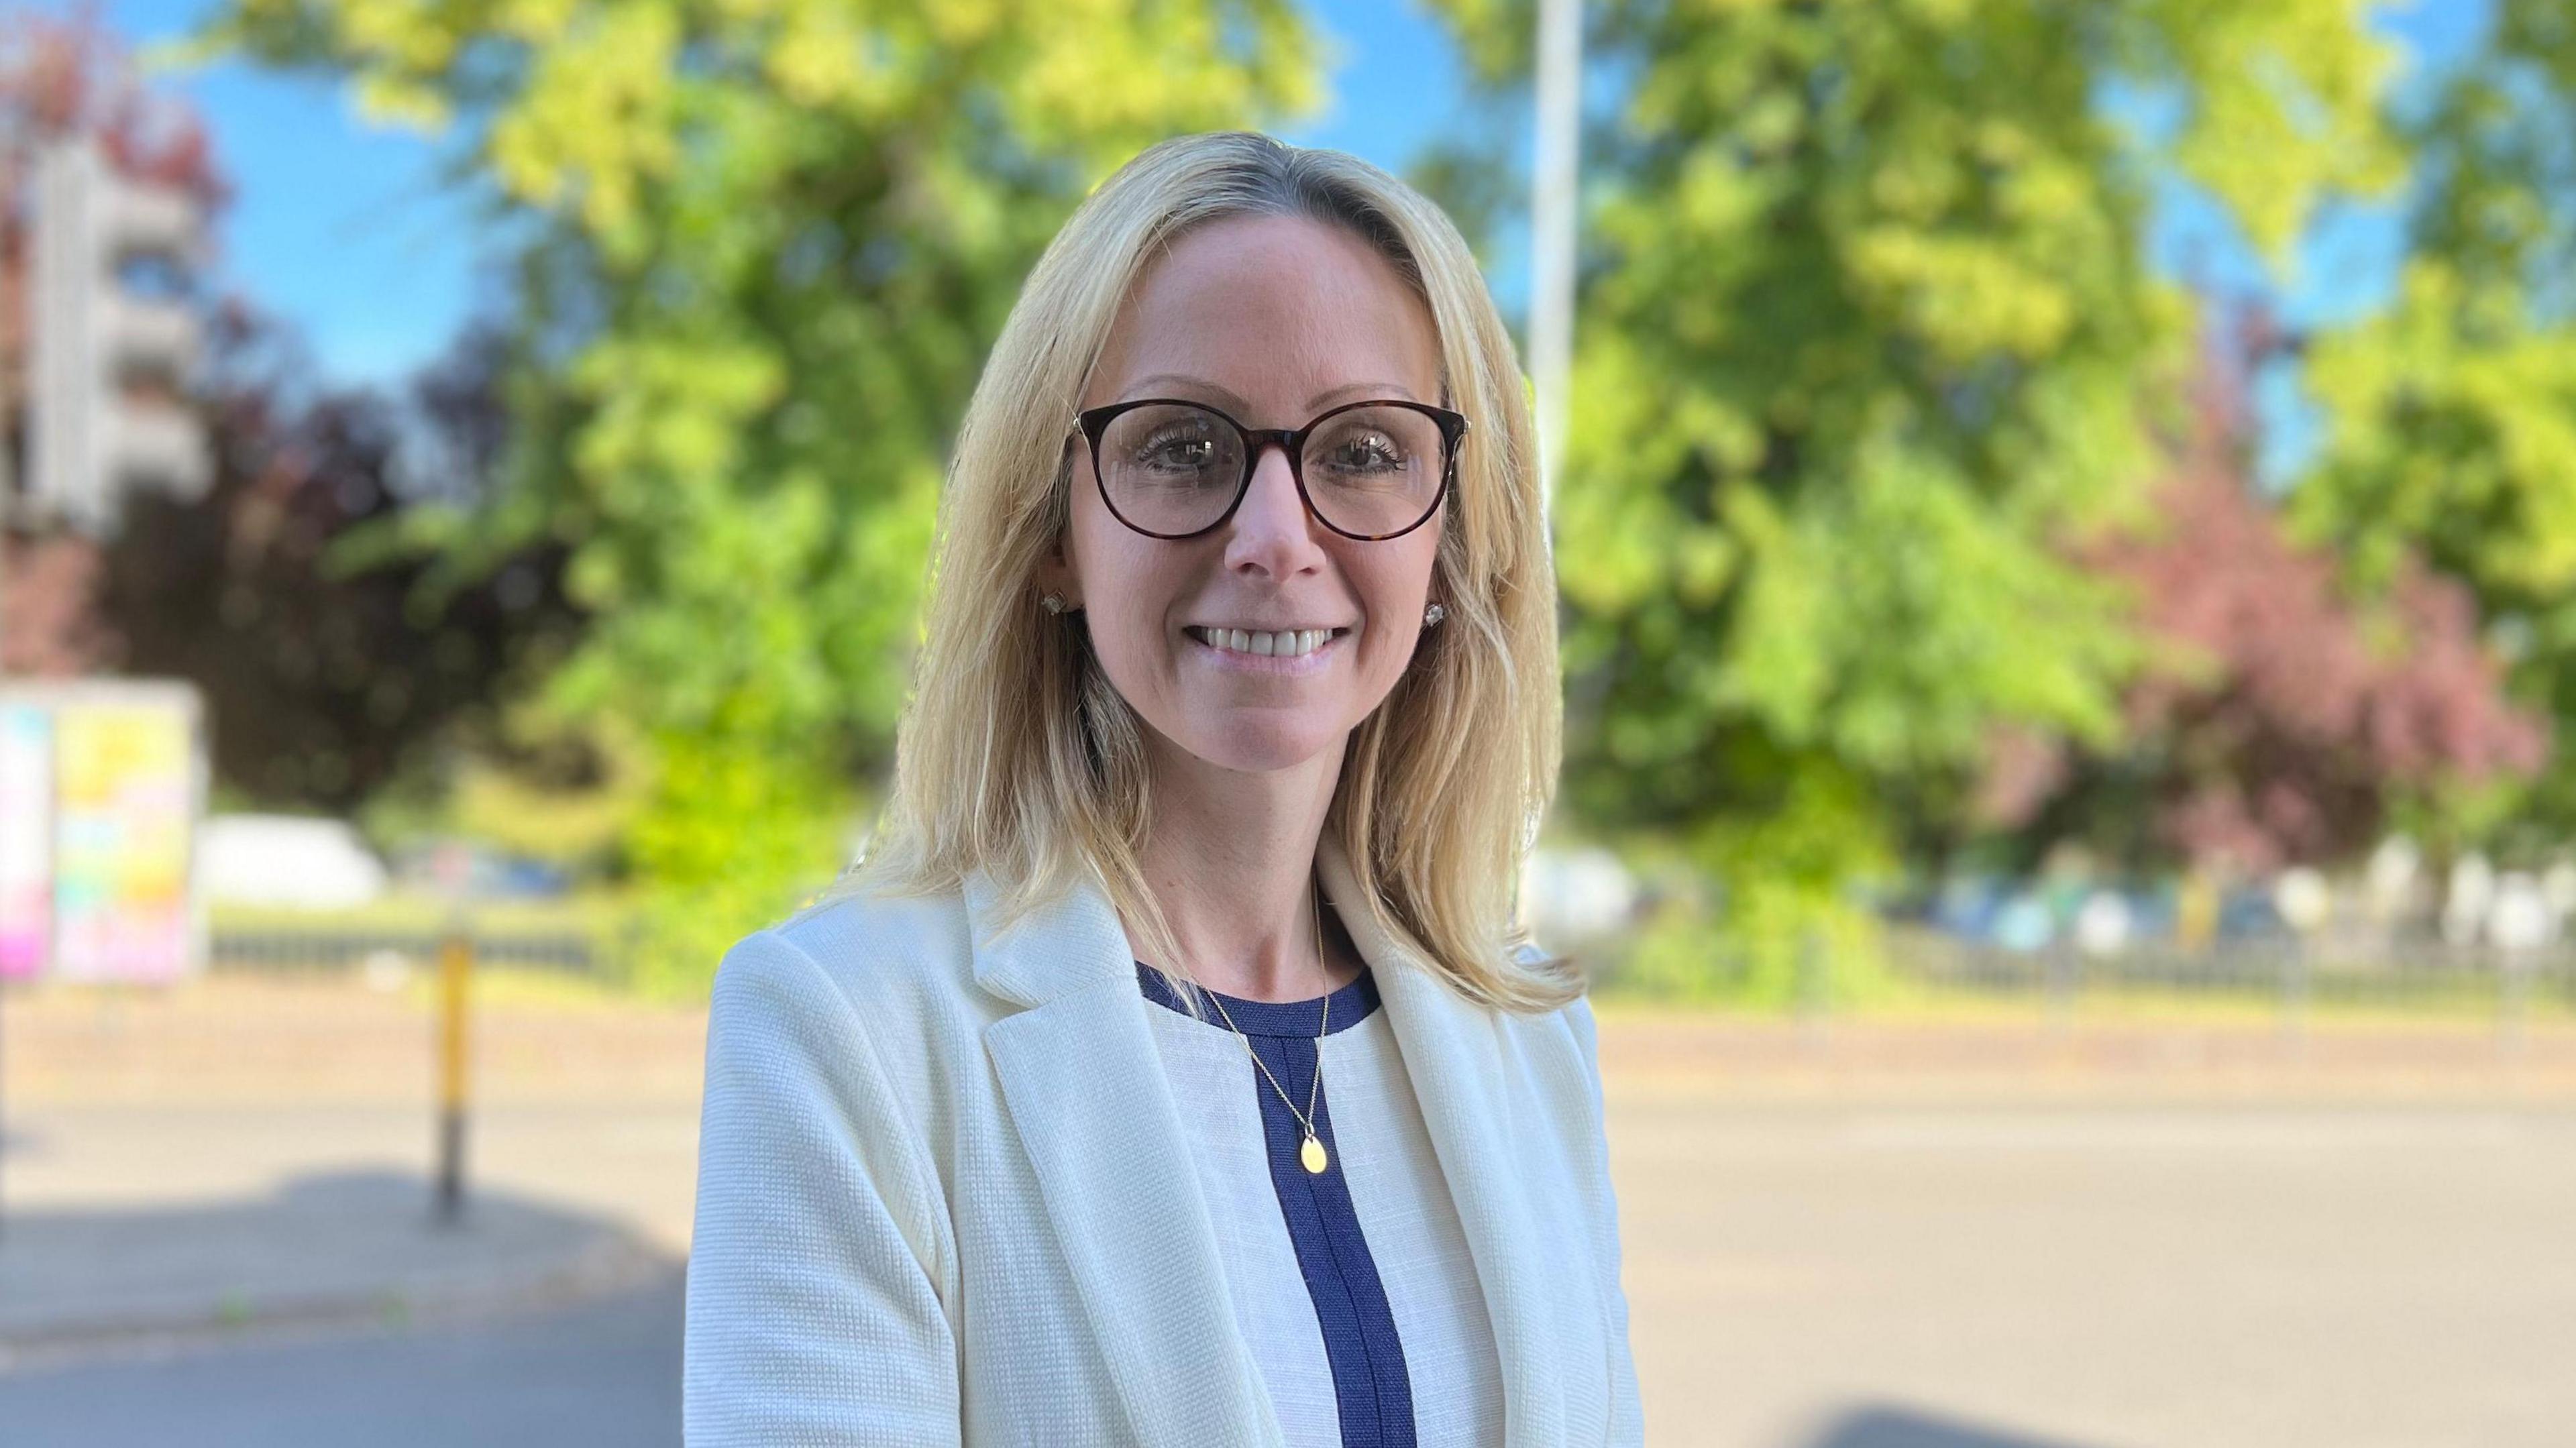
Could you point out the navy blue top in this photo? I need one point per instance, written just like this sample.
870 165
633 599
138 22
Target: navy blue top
1372 1392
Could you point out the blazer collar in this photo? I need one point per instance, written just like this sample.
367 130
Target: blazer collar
1080 1073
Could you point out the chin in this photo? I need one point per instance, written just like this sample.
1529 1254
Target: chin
1259 750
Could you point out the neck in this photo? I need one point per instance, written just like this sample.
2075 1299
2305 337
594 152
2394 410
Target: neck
1231 861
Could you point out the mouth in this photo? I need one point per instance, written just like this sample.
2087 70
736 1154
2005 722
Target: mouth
1245 645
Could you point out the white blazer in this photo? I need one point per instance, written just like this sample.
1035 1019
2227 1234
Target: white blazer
944 1196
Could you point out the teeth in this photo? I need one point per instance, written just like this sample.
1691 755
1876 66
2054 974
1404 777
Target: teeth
1289 644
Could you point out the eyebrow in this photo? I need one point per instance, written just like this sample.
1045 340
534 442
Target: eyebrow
1235 401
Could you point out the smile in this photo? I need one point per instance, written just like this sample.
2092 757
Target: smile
1303 651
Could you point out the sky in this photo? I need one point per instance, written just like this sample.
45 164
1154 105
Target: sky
347 231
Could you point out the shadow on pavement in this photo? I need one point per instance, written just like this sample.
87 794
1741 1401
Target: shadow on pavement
603 1372
329 1249
1878 1427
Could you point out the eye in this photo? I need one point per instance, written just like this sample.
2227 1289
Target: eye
1363 452
1177 449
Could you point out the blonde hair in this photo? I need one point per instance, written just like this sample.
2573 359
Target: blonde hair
1016 755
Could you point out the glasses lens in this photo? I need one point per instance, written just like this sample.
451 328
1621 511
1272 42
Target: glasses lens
1373 470
1170 467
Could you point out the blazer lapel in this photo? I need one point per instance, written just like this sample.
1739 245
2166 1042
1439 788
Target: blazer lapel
1453 1055
1084 1083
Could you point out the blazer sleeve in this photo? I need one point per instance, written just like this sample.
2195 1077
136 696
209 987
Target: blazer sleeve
1627 1415
813 1314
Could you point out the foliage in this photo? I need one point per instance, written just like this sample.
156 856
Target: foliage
2281 717
1866 333
766 245
2453 409
322 686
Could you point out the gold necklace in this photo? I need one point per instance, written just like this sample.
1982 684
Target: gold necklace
1311 1155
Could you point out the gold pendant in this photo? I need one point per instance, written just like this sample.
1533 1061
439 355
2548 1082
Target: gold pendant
1312 1154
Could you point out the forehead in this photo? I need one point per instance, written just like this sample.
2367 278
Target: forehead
1272 313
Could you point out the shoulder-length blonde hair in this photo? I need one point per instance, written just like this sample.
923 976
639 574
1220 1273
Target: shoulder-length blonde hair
1016 755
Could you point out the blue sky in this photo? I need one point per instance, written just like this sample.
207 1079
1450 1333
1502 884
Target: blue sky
348 231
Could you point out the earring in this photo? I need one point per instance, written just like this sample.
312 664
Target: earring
1433 615
1053 602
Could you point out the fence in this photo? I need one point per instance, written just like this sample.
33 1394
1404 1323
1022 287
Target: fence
312 952
2427 978
2291 976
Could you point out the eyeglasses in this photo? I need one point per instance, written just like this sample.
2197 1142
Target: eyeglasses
1369 470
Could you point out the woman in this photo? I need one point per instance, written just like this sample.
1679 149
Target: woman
1237 707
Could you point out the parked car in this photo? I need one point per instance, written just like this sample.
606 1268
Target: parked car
478 870
288 861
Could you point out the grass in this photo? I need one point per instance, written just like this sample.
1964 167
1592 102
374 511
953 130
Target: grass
595 914
1932 1004
2335 997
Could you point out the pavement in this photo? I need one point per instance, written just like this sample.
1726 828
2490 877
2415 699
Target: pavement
604 1373
327 1249
233 1160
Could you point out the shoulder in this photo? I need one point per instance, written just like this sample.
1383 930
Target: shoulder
896 971
1559 1052
873 944
1567 1028
872 953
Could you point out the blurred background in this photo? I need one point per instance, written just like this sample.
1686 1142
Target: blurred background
2066 515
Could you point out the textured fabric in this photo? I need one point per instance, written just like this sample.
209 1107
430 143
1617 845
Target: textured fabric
946 1194
1354 1288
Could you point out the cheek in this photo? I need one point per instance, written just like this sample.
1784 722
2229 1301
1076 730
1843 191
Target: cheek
1399 582
1127 592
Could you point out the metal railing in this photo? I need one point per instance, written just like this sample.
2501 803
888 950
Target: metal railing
315 952
2291 975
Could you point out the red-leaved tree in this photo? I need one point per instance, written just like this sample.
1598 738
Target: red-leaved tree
2283 714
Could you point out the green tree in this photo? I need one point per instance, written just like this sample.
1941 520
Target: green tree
765 246
2452 411
1866 333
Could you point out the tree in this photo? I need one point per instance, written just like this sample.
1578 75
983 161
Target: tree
324 682
2453 409
2285 717
1866 333
321 683
767 245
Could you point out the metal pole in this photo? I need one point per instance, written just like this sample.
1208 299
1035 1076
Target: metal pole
1812 988
1552 226
2059 958
2514 970
455 969
2294 994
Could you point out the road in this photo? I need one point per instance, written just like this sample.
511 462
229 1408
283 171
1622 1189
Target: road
604 1374
1960 1236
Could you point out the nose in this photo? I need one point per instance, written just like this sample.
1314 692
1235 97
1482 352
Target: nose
1271 529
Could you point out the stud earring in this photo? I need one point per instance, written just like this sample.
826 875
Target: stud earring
1053 602
1433 615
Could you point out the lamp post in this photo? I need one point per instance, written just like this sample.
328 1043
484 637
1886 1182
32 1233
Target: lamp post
1553 225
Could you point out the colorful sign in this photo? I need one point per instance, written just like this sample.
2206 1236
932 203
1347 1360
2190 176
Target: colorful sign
100 790
26 838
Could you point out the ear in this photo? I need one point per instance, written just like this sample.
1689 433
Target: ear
1054 569
1054 575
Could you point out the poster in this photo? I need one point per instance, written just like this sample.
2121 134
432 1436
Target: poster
26 838
123 777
